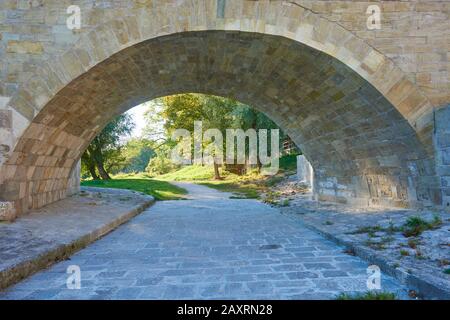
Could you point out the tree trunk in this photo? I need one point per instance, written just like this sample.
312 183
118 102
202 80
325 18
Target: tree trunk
87 158
258 164
216 172
96 155
102 171
255 127
91 168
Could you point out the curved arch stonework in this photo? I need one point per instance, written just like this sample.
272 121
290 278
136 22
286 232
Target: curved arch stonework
366 128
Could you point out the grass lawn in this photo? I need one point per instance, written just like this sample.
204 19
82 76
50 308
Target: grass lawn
161 190
190 173
239 191
248 186
204 175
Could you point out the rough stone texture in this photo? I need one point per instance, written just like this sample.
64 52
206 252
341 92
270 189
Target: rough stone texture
209 247
7 211
421 265
24 47
55 232
358 102
442 147
73 185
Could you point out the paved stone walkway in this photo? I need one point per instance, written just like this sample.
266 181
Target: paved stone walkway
206 248
419 260
57 230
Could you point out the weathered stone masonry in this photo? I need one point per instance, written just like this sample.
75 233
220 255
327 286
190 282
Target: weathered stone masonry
360 103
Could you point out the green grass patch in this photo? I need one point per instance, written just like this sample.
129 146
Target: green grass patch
190 173
447 271
160 190
239 191
369 295
404 253
248 186
413 243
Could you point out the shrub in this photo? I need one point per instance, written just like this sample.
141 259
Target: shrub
404 253
369 295
415 225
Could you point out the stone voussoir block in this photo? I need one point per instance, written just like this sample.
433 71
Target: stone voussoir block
7 211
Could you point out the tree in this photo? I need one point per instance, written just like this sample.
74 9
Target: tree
103 153
217 113
137 154
245 117
161 163
88 166
181 111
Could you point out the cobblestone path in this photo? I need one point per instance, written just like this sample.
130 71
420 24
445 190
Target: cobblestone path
208 247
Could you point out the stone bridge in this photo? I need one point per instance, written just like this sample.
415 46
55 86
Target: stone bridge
367 106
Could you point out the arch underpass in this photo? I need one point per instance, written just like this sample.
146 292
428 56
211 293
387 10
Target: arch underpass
363 125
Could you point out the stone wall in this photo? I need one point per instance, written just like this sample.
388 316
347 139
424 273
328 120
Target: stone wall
305 171
413 34
442 145
73 185
358 102
7 211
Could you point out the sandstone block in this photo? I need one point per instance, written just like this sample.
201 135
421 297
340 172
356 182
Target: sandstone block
24 47
7 211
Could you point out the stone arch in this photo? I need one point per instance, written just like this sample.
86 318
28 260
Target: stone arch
35 174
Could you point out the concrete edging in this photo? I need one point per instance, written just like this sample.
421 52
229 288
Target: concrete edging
61 251
426 289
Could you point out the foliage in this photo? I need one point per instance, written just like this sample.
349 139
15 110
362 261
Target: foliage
137 154
104 152
288 162
183 110
161 163
415 225
245 117
413 243
379 244
161 190
248 186
404 252
273 198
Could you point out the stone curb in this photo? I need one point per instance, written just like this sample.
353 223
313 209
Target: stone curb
426 288
62 251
